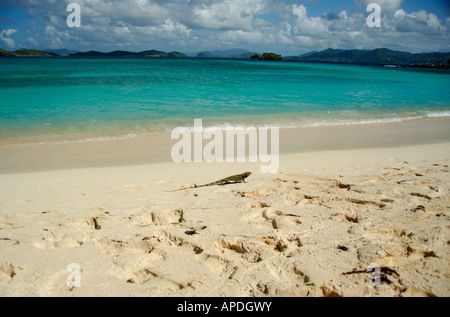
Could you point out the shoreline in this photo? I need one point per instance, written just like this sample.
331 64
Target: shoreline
48 133
156 148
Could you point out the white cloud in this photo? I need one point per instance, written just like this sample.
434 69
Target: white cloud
5 37
421 23
399 13
209 24
400 30
9 32
169 30
307 26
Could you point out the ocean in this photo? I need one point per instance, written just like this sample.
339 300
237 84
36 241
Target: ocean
78 100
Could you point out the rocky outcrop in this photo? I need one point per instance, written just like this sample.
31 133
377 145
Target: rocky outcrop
267 56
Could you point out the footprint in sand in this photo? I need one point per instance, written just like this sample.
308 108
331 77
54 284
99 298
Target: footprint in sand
285 222
141 260
253 250
417 292
53 285
158 218
135 267
218 265
53 240
97 209
257 204
258 193
113 246
7 272
280 220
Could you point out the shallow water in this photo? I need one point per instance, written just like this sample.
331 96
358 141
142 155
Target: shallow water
66 99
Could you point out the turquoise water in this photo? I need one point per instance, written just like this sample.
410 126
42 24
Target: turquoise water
65 99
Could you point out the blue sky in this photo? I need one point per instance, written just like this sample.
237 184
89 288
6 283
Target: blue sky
283 26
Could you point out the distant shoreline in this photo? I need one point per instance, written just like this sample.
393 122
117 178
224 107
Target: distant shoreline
414 67
445 68
156 148
376 57
431 66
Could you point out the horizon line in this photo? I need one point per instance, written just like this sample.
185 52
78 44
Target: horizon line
246 51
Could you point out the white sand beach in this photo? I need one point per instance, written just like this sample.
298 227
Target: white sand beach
311 229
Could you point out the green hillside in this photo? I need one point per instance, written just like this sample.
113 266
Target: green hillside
26 53
380 56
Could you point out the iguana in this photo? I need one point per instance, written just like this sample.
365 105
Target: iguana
224 181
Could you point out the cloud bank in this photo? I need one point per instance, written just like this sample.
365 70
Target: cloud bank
194 25
5 37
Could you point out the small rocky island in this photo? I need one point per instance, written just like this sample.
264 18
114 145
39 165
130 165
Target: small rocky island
267 57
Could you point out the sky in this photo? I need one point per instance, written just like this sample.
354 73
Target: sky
282 26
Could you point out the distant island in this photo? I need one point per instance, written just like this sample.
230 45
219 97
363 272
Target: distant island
235 53
64 52
380 56
267 57
150 53
26 53
61 52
